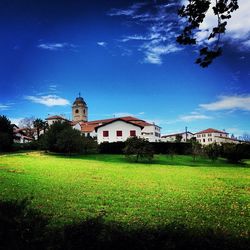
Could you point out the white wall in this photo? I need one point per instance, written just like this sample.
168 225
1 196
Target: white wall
172 138
113 127
208 138
149 133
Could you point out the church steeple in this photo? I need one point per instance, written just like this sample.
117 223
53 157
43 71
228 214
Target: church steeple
79 110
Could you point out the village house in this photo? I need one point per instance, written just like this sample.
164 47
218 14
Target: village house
108 130
211 135
185 136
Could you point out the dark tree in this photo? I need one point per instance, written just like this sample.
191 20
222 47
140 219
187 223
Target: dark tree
6 134
62 138
38 125
138 149
196 149
235 153
195 12
178 138
49 139
69 141
212 151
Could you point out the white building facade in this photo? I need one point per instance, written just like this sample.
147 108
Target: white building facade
211 135
117 130
185 136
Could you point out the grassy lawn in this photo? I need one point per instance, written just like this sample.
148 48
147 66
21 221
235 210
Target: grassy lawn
199 195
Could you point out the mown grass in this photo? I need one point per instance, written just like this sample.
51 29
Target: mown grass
198 195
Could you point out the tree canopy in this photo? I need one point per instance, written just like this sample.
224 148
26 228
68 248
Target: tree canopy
195 12
6 134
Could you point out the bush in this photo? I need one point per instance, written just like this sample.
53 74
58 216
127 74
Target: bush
235 153
212 151
111 148
62 138
138 149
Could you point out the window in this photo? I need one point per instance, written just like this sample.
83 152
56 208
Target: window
77 111
118 133
203 135
209 139
209 134
204 140
132 133
105 133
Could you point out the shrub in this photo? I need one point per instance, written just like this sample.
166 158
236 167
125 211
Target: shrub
62 138
138 149
212 151
235 153
196 149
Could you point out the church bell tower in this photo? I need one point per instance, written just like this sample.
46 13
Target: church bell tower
79 110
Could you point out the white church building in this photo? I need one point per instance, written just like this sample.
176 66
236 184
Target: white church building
108 130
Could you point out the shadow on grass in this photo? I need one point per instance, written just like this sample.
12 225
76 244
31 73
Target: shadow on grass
24 228
177 160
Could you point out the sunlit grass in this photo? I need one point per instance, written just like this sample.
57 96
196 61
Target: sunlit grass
197 194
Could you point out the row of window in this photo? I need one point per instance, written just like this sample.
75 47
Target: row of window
105 133
204 140
204 135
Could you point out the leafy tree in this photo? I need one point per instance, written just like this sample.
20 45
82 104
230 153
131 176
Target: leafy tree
138 149
235 153
39 125
6 134
69 141
212 151
62 138
195 12
178 138
196 149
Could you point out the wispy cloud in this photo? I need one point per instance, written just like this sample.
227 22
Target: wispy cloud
4 106
160 22
102 44
48 100
239 102
56 46
154 52
194 117
132 10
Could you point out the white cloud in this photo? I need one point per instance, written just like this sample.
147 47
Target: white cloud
238 28
154 53
126 12
160 21
48 100
229 103
56 46
102 44
4 106
194 117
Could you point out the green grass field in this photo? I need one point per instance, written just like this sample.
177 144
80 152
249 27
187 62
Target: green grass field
199 195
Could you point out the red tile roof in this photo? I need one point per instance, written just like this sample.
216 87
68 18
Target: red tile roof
56 117
165 136
91 125
211 130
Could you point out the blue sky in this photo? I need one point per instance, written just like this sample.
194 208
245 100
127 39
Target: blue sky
122 57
